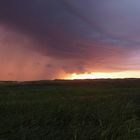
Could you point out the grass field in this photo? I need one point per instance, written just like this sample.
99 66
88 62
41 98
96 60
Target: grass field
70 110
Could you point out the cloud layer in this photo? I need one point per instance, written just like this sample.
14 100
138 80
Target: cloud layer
48 39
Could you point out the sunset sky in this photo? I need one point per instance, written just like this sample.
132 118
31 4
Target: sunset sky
70 39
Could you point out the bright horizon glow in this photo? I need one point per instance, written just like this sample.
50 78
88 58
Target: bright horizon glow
100 75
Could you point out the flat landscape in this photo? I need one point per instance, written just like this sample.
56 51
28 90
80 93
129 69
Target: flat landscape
70 110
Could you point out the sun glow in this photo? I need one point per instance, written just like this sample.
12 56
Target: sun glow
112 75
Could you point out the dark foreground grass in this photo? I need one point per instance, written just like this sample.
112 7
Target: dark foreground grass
79 110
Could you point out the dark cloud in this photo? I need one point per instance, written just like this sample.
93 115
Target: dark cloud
48 22
76 35
49 65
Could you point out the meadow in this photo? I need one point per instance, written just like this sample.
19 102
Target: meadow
70 110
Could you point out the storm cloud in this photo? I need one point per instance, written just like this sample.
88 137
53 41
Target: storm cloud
67 36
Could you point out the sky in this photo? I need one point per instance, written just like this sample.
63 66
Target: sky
69 39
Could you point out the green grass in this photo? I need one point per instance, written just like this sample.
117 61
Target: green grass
79 110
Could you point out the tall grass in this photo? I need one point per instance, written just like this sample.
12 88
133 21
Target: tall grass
67 112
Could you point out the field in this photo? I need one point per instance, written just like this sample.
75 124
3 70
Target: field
70 110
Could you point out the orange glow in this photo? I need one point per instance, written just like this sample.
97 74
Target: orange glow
112 75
